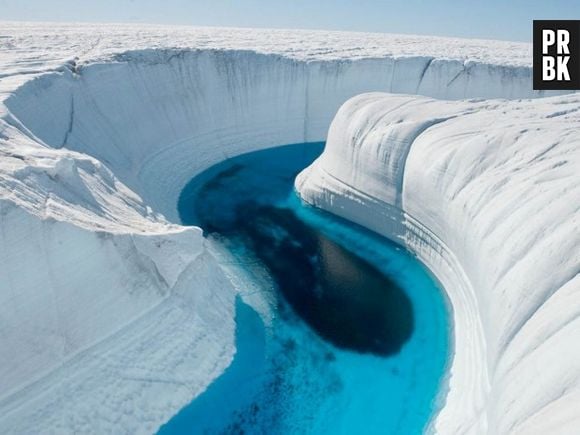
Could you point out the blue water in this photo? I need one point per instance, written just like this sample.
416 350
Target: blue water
359 337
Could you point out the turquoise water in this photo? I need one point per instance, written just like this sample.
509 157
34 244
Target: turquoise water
338 330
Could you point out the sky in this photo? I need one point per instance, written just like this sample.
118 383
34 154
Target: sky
491 19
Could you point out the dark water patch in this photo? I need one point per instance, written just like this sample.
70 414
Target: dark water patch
343 298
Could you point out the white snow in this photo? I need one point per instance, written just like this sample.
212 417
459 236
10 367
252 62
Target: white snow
487 194
111 317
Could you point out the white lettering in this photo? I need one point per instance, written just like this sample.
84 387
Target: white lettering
548 68
563 41
548 39
562 67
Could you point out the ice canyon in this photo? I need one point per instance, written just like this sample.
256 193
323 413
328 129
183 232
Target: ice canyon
114 315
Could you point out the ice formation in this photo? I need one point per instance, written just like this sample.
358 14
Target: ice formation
487 194
112 315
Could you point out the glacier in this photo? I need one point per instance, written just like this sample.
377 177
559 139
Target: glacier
113 315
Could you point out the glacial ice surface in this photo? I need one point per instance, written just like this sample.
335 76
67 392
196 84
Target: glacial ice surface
113 316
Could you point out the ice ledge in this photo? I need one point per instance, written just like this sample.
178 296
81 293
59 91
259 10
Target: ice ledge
486 196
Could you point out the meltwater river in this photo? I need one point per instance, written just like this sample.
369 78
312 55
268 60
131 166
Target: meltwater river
338 330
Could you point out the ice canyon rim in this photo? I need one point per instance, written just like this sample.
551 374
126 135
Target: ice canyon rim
102 126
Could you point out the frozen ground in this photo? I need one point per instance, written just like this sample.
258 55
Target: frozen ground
102 126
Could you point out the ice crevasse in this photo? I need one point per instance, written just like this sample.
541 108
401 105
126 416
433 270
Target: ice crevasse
106 299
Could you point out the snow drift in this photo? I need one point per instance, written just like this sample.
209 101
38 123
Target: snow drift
487 194
107 302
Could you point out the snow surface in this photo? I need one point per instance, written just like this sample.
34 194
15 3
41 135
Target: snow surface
487 194
112 315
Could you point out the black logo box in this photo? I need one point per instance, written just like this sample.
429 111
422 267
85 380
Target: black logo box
573 64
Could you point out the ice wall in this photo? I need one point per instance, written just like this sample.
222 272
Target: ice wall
487 194
94 149
158 117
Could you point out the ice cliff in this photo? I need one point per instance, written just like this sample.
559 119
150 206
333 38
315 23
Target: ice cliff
113 315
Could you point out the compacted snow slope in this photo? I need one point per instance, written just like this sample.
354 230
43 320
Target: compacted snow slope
113 317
